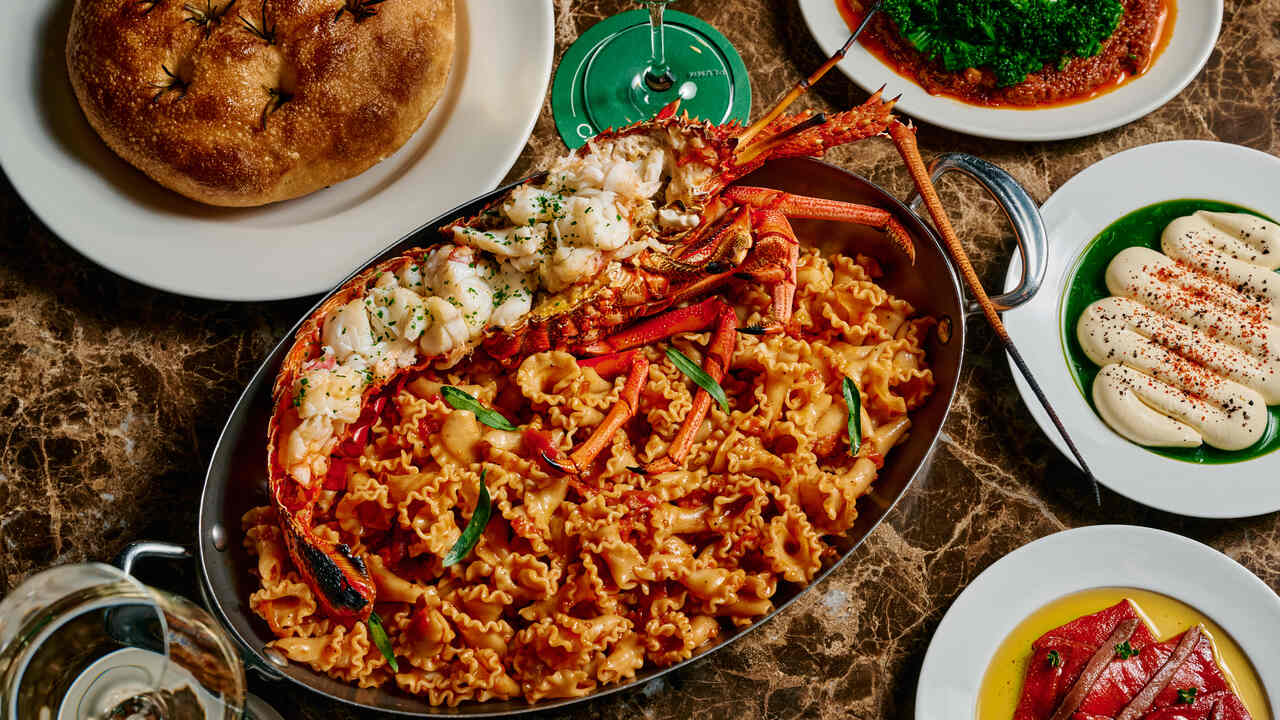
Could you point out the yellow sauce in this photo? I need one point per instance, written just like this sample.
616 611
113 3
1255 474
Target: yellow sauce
1002 683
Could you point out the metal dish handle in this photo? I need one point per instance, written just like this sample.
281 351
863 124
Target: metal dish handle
149 548
142 549
1019 208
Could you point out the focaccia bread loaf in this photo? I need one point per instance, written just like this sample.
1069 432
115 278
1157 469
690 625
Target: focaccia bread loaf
248 102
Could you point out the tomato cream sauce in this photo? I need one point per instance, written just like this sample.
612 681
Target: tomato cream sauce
1142 36
1002 683
1189 342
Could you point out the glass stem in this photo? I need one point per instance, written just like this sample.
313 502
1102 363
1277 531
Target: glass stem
657 76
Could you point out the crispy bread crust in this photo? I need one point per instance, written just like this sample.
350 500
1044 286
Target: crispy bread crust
215 111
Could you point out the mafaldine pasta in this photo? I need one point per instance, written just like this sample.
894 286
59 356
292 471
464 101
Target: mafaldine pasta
580 581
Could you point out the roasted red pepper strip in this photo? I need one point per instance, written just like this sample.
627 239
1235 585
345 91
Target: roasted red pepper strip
336 478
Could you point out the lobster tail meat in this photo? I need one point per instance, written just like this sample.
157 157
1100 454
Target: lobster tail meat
1109 665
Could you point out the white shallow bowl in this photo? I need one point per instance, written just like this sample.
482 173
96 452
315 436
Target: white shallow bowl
1074 215
1034 575
1195 33
119 218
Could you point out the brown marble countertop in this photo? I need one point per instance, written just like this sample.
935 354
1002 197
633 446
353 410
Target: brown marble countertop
112 395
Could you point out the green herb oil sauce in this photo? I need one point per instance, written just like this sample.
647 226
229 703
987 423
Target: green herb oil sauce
1088 284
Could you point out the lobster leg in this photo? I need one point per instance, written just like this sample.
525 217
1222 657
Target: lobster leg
715 363
733 238
690 318
607 366
712 311
619 414
773 263
800 206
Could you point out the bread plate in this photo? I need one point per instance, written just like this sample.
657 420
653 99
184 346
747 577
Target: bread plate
120 219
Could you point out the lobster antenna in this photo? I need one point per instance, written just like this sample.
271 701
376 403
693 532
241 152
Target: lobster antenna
905 140
808 82
750 153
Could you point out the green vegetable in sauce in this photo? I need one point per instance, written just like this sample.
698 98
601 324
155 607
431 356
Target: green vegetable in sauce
379 636
1013 38
1055 660
461 400
475 527
853 401
696 374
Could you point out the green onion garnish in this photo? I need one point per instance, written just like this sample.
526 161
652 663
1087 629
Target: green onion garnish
475 527
1125 650
459 400
1054 658
379 635
698 376
1187 696
854 400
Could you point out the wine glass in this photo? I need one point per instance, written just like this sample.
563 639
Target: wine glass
629 66
90 642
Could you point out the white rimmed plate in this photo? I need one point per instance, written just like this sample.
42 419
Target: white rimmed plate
1074 215
1195 33
119 218
1034 575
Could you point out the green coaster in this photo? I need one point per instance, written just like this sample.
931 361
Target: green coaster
596 85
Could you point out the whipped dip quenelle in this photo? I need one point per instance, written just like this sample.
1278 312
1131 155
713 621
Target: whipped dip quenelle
1189 342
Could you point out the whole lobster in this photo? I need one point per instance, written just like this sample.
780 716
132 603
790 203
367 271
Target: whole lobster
716 230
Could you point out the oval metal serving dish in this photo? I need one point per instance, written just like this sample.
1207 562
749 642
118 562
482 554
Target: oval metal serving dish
236 479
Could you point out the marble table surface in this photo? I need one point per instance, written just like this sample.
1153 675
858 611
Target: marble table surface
112 395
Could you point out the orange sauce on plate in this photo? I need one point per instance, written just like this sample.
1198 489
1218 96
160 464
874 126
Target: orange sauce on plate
1165 20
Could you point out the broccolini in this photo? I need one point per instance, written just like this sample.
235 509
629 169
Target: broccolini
1011 37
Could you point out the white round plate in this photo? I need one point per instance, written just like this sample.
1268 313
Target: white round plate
1074 216
122 220
1195 32
1034 575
